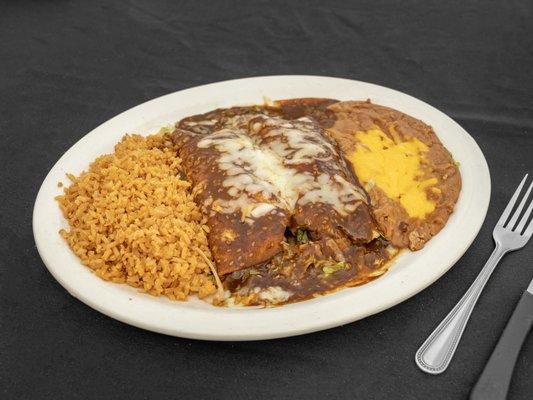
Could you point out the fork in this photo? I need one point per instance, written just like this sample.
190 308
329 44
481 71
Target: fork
435 354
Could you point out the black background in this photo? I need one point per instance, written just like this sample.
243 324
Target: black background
67 66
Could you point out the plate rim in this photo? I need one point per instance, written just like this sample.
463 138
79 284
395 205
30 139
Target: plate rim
229 334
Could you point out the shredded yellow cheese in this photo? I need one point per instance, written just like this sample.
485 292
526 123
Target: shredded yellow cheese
220 287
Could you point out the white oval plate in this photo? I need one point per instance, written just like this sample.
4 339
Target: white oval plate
411 273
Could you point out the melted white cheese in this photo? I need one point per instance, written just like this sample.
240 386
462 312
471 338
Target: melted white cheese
332 190
261 171
262 210
274 294
296 142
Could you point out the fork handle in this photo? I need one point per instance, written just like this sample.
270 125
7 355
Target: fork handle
436 352
493 383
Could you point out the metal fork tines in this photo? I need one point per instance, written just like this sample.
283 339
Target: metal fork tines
509 234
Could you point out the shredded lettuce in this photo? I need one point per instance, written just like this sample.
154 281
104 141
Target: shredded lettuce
301 236
332 268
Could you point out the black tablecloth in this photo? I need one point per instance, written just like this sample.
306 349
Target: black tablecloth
67 66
